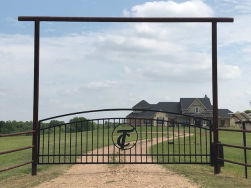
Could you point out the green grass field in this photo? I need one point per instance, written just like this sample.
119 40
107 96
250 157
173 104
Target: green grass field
231 176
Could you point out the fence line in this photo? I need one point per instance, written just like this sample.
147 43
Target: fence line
16 150
244 147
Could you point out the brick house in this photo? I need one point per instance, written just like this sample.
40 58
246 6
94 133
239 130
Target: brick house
198 107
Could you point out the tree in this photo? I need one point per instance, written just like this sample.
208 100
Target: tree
247 111
81 124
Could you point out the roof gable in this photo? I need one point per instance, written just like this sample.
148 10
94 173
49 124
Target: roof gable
186 102
142 105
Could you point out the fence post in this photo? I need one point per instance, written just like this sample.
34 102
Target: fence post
215 97
35 99
244 150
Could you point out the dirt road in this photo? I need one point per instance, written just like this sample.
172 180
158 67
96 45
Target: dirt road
111 176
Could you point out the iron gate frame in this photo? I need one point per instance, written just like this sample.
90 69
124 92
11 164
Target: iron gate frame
38 19
185 122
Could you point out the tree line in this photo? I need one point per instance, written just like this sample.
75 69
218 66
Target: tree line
75 124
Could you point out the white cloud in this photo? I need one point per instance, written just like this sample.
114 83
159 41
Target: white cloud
115 68
171 8
102 84
229 72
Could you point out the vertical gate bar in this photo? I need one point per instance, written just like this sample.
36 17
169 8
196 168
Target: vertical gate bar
35 98
206 139
210 140
136 144
49 145
244 150
119 148
70 143
97 139
76 142
108 141
123 123
173 141
179 139
167 129
113 158
92 142
103 140
190 150
152 139
86 140
64 141
54 135
215 97
184 131
43 148
200 147
130 148
81 142
38 142
59 145
157 128
162 143
146 140
195 143
141 139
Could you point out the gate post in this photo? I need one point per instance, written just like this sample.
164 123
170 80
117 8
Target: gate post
215 97
35 99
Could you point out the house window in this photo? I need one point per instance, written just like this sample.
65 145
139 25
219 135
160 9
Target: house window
197 109
148 121
160 121
222 122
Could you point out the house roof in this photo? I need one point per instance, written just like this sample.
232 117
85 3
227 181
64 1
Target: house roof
142 105
186 102
167 106
224 113
175 107
145 114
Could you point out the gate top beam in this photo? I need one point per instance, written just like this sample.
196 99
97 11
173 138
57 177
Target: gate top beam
125 19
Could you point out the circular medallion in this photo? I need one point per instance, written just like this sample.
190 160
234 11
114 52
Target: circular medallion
124 136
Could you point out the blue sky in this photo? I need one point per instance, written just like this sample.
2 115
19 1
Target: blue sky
96 65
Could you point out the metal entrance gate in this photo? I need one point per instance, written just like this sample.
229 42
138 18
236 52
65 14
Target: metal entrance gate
36 129
181 140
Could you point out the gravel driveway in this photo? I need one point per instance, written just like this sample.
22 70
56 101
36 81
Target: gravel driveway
129 175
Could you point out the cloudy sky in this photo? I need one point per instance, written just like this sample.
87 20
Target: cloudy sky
115 65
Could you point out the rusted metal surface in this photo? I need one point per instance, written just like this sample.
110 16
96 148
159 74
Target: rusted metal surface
16 134
215 96
14 150
244 150
16 166
35 98
234 162
234 146
125 19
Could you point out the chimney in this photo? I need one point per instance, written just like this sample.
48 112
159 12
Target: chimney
205 97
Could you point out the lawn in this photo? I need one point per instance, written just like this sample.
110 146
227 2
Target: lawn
232 175
70 143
